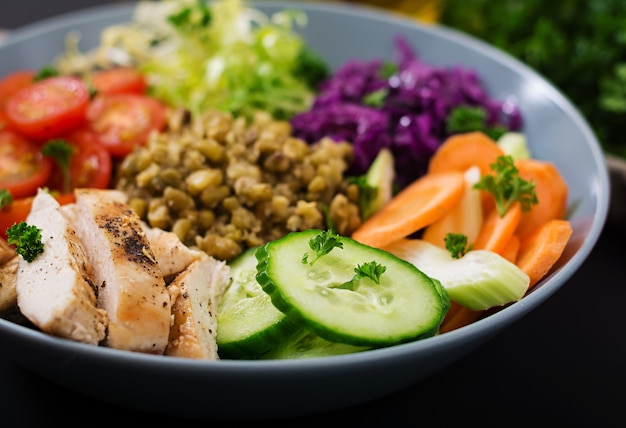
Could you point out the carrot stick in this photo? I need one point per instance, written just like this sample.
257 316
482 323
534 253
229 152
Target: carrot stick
461 151
459 318
541 250
465 218
421 203
497 231
551 189
511 249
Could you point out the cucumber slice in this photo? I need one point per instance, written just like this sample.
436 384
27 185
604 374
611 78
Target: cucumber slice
248 324
306 344
479 280
380 176
405 305
515 145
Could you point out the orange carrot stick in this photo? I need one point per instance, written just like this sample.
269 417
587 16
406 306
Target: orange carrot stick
459 318
551 189
421 203
541 250
497 231
465 218
511 249
461 151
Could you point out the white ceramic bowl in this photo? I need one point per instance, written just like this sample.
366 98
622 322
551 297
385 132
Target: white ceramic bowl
271 389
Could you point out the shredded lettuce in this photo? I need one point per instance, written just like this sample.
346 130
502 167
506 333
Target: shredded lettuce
221 55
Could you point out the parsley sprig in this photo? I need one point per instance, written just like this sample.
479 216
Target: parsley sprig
322 244
371 270
27 240
507 186
456 244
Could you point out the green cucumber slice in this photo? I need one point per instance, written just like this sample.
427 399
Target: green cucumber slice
306 344
380 176
406 305
479 280
248 324
515 145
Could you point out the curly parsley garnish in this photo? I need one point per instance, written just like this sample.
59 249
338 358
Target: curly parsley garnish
371 270
27 240
322 244
456 244
507 186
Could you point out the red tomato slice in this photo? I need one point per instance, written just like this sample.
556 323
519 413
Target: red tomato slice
4 122
48 108
121 122
122 80
22 166
90 165
13 82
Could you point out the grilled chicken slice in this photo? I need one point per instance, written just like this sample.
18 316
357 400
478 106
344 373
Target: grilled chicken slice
6 251
55 291
131 287
8 280
195 293
172 255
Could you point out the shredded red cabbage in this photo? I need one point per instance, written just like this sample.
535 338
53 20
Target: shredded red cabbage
412 119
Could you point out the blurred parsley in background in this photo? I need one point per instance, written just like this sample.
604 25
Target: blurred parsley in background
579 45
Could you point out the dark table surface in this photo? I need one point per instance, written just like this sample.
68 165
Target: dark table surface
564 364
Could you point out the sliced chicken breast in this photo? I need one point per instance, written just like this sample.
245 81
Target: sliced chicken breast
8 281
195 294
131 287
172 255
6 252
55 291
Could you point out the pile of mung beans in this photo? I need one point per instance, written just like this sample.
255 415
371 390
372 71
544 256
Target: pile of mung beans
223 184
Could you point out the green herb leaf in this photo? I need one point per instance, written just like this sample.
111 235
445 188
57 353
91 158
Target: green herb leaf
507 186
388 69
45 72
376 99
456 244
322 244
371 270
191 19
27 240
468 119
6 198
61 151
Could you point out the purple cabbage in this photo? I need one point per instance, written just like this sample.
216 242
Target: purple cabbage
412 119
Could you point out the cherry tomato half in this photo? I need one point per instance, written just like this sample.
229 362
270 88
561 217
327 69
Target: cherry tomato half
48 108
121 80
13 82
22 166
4 122
120 122
90 165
